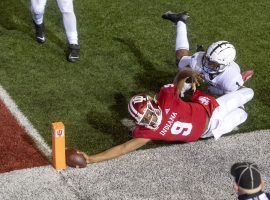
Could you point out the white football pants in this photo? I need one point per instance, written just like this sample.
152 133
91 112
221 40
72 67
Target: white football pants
229 114
69 18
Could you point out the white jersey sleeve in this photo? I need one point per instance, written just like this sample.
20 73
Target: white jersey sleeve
194 62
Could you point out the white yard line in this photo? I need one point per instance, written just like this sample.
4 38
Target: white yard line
25 123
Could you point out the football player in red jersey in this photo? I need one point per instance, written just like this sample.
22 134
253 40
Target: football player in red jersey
169 118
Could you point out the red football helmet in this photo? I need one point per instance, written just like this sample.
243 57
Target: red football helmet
145 111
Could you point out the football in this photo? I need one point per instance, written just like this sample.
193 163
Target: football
74 159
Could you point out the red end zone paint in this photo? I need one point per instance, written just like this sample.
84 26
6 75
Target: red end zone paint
17 151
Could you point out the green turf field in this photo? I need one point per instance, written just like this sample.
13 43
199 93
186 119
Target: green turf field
126 48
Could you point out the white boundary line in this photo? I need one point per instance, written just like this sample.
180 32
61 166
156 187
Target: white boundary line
25 123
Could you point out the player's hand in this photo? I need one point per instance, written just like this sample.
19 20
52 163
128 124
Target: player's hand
196 78
87 158
187 75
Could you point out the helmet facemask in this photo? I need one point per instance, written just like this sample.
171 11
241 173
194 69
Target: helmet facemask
146 112
151 117
212 67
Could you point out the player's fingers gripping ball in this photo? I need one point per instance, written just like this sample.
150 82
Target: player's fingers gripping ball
85 156
75 159
200 77
196 78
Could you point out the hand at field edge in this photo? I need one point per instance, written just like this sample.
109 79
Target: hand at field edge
87 158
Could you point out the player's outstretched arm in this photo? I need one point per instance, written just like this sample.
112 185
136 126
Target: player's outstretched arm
116 151
182 77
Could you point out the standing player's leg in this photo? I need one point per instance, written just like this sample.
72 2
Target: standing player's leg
37 10
70 24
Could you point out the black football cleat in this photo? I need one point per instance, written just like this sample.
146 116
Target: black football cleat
175 17
40 35
73 52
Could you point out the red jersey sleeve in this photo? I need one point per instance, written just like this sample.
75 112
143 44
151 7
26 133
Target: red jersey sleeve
167 91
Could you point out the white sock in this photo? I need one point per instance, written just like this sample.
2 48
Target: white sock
181 36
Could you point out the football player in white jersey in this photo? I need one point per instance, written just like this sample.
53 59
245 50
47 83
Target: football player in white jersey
216 64
69 20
